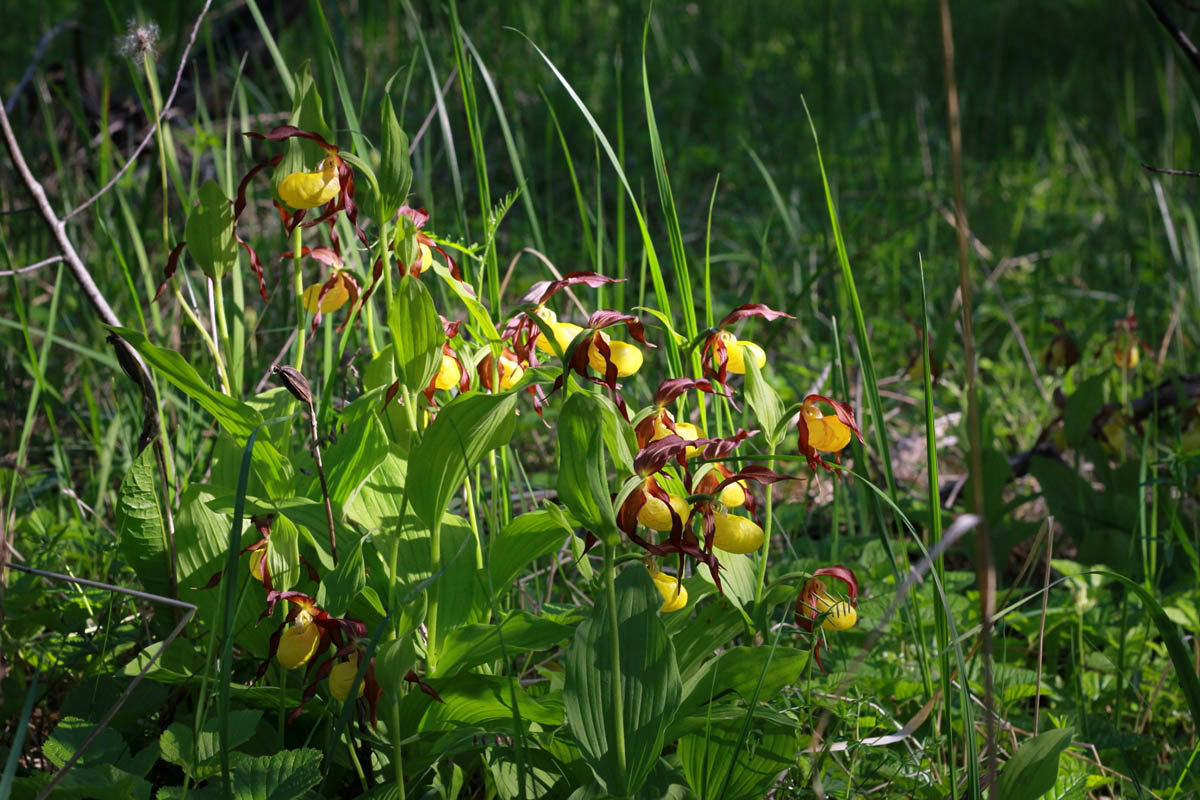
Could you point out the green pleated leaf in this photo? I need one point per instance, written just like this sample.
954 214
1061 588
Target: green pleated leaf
340 587
1032 770
283 776
417 334
463 432
753 768
470 699
764 402
180 745
358 451
395 170
737 670
522 632
527 538
209 232
649 684
283 553
582 466
141 538
233 415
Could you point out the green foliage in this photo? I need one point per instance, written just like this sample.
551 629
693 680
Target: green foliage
499 655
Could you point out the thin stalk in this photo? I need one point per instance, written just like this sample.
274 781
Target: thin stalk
985 571
614 633
208 340
431 617
298 281
218 299
397 755
766 545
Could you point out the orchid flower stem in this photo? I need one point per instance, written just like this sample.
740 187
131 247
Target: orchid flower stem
298 274
431 617
397 760
766 545
218 298
204 334
614 633
316 446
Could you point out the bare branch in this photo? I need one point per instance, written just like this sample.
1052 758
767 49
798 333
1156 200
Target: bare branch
150 133
43 263
1187 173
1181 38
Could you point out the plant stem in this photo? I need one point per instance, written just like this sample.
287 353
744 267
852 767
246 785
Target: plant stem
431 617
208 339
298 359
766 545
614 633
397 760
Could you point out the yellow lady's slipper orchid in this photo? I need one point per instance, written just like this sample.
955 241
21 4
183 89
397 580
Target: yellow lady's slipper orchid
334 299
298 643
564 334
827 434
736 352
736 534
257 557
1126 356
340 678
841 615
449 375
684 430
311 189
655 515
674 594
625 357
510 372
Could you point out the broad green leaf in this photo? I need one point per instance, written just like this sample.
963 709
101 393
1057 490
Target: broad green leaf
395 171
70 733
521 542
471 645
97 782
1031 771
462 433
233 415
649 680
357 452
737 670
765 402
283 553
339 587
283 776
1082 407
209 232
714 625
471 699
753 768
582 466
737 577
141 537
417 334
180 745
